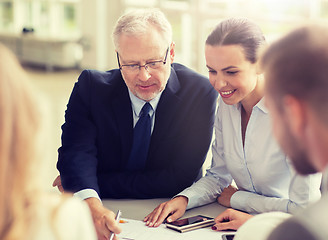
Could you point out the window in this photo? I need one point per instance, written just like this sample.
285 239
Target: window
6 16
193 20
51 18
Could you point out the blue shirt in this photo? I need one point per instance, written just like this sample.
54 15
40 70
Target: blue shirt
137 105
263 174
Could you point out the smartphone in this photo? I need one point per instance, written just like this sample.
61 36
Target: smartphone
191 223
228 236
188 221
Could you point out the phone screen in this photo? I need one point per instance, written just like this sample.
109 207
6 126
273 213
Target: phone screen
228 237
187 221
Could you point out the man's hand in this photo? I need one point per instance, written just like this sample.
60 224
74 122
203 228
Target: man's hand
225 196
230 219
175 208
104 219
57 183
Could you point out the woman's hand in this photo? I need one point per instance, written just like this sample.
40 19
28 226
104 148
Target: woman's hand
172 209
230 219
225 196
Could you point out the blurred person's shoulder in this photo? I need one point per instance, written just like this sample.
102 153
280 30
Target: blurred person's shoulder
309 224
64 217
260 226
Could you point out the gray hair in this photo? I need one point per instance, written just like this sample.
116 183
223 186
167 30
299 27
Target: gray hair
138 21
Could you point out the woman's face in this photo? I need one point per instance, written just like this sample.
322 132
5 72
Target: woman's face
230 73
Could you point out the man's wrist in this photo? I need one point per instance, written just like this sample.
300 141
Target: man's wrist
86 193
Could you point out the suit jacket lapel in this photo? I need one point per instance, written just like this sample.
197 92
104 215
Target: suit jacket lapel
121 105
165 112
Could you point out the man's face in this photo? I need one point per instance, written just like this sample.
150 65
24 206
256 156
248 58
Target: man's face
291 145
145 84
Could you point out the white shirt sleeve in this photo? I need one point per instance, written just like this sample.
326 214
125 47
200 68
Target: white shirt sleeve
302 191
87 193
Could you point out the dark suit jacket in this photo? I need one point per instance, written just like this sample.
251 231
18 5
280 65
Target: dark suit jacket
98 133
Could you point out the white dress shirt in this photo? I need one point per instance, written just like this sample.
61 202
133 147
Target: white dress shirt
136 104
264 176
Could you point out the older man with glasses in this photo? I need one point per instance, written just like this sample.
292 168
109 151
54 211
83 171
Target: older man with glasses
140 131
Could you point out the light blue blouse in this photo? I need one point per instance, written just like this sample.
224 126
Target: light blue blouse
263 174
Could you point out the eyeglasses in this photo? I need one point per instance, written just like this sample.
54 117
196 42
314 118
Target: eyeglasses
135 68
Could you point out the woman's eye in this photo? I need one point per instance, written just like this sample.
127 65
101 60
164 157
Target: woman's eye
212 71
232 72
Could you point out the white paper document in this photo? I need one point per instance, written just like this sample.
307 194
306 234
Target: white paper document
137 230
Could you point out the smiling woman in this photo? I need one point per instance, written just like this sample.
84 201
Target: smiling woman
243 122
244 149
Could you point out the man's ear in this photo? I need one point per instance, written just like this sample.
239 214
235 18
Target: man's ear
172 52
295 113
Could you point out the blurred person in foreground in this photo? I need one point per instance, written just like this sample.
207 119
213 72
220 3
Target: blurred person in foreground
244 149
104 152
26 212
296 68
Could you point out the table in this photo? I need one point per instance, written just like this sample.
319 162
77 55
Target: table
137 209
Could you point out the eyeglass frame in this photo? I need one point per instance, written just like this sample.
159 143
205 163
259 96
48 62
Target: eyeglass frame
145 65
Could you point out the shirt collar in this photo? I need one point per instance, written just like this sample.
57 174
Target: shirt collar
260 105
137 103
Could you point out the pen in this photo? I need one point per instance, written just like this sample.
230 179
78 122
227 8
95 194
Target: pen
117 219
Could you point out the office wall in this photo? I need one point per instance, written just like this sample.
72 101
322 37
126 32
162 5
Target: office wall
97 20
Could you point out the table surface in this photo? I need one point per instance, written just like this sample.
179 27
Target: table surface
137 209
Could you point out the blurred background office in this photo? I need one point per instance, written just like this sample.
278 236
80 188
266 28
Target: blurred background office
55 39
